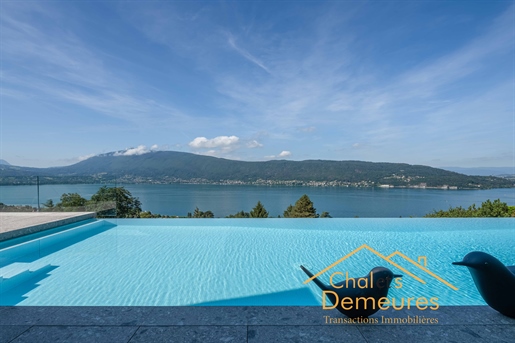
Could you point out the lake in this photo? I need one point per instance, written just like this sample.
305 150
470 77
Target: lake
179 199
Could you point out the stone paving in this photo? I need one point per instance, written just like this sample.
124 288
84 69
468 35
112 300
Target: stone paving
17 224
458 324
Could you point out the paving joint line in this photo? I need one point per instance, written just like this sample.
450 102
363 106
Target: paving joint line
21 333
133 334
361 333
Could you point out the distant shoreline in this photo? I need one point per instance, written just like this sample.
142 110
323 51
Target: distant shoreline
259 183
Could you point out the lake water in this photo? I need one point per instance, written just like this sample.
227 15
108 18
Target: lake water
177 199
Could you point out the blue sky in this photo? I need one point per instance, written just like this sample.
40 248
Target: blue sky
429 82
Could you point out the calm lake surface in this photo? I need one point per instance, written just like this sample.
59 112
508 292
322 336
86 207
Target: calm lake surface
177 199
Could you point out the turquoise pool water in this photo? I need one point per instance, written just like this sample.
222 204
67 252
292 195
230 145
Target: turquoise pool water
154 262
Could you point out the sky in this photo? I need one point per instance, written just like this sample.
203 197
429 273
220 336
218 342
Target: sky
418 82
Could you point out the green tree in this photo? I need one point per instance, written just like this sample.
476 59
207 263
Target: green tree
200 214
303 208
259 211
72 200
240 214
288 213
146 214
49 203
494 209
120 199
208 214
487 209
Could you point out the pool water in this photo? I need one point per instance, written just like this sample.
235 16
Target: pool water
244 262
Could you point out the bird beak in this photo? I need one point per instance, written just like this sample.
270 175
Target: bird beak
396 275
461 263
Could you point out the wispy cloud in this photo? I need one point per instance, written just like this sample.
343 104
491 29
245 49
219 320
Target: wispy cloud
424 80
379 110
324 80
254 144
246 54
60 64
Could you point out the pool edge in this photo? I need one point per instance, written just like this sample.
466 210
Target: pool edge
72 217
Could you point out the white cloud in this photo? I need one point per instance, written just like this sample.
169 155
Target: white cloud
254 144
220 141
140 150
85 157
212 153
283 153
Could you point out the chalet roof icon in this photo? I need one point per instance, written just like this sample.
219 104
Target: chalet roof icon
388 259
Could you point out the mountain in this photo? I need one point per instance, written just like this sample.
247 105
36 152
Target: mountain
483 171
171 166
4 162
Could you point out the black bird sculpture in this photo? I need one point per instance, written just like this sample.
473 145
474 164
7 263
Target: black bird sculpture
494 281
378 282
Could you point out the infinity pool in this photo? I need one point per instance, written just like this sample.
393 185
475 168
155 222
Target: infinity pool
244 262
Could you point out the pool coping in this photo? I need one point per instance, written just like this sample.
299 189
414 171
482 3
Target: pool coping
467 324
18 224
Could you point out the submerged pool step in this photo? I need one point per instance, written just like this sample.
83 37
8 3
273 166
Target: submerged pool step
17 274
18 267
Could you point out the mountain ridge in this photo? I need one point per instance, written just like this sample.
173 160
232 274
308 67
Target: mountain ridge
182 167
482 171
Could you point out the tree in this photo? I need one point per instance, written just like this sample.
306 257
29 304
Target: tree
240 214
72 200
494 209
303 209
200 214
49 203
146 214
125 204
288 213
487 209
208 214
259 211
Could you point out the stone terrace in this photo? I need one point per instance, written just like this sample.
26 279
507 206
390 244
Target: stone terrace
17 224
467 324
